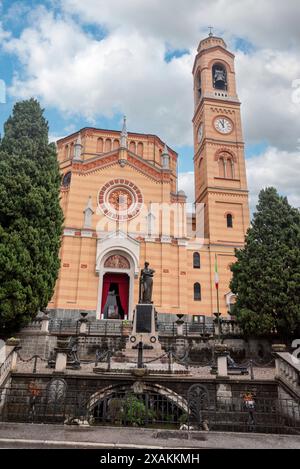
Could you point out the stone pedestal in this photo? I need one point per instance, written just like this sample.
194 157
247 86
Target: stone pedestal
83 327
221 353
222 366
179 328
144 331
179 325
61 360
45 324
14 359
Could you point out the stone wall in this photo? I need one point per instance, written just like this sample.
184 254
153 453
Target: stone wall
36 343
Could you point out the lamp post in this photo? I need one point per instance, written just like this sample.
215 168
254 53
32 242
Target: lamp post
217 316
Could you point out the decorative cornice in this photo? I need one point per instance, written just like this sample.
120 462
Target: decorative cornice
222 191
98 163
148 170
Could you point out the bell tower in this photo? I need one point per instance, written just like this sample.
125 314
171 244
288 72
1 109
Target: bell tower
219 162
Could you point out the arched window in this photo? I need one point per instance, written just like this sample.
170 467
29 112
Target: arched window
107 145
219 77
197 292
116 144
230 168
198 86
229 220
221 168
72 150
196 260
226 165
132 147
67 152
100 145
140 149
66 180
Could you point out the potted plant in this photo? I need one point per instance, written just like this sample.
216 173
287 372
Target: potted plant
126 327
12 341
279 348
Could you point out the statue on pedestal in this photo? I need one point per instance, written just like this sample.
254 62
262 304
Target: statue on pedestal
146 284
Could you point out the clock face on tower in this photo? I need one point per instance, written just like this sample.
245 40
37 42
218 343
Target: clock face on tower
223 125
200 133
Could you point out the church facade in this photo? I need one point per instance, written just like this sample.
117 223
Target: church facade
122 207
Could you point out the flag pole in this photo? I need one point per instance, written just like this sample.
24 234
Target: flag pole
218 311
218 300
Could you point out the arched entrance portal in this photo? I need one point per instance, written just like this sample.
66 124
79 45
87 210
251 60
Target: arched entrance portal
118 253
116 285
115 296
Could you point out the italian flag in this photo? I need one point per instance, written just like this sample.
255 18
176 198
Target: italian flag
216 273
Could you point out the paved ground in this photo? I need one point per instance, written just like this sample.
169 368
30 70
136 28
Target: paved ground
203 371
18 435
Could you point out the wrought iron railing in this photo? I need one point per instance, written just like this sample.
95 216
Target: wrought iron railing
140 405
94 327
188 329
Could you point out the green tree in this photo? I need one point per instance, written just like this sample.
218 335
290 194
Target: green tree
30 216
266 276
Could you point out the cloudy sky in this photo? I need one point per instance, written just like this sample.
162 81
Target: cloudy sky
91 62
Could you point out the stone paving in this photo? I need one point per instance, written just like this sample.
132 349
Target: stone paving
19 435
155 368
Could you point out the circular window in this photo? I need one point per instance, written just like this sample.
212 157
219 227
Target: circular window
120 199
66 180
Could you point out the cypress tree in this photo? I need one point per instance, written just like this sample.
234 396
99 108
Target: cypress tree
266 276
30 216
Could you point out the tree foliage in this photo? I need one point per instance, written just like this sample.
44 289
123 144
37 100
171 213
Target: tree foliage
30 216
266 276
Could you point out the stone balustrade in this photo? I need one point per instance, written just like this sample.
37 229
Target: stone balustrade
288 371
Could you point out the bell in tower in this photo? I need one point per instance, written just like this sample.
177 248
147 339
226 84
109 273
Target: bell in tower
219 77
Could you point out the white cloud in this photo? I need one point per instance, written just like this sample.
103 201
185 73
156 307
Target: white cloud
122 73
182 23
280 169
67 67
186 183
265 81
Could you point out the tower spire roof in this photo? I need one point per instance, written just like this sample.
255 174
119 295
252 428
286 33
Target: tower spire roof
124 134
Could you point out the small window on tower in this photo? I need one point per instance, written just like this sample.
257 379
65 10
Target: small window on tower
197 292
219 76
198 84
229 220
196 260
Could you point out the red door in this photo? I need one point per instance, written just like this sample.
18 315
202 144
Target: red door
120 284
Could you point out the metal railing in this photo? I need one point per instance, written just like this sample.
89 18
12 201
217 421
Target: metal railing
115 328
189 329
56 402
94 327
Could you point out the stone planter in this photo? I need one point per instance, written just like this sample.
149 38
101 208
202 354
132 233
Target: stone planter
13 342
279 348
62 343
139 372
221 349
126 330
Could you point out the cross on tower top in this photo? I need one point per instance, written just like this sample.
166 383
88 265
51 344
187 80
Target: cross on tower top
211 29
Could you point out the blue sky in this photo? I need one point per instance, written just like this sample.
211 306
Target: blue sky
61 123
71 54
